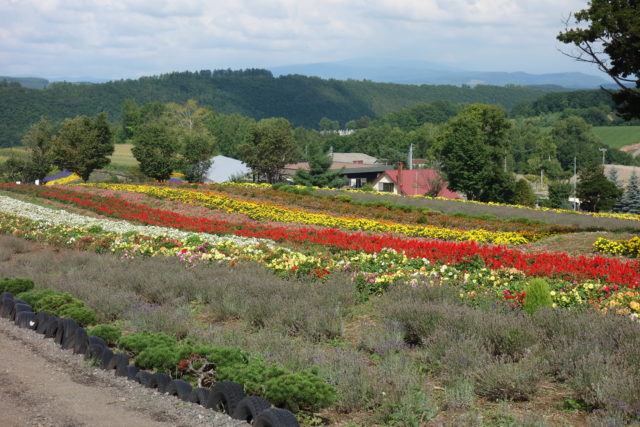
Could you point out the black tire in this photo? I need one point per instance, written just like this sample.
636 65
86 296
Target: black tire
249 408
95 352
52 327
132 371
6 306
41 319
179 388
19 307
69 328
225 396
144 378
276 417
26 319
107 357
119 362
96 342
161 381
80 341
200 396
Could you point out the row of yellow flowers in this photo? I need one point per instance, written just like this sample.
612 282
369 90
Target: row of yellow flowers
619 215
271 212
65 180
630 248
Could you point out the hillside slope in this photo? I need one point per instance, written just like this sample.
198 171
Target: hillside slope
255 93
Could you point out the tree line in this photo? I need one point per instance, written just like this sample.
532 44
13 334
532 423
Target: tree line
256 93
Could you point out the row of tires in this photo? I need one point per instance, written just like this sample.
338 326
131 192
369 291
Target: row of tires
226 396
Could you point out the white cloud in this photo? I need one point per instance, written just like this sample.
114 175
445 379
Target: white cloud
118 38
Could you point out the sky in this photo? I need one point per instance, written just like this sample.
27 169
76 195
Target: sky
113 39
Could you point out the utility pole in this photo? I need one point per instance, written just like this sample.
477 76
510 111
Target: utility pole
505 163
575 181
410 156
604 150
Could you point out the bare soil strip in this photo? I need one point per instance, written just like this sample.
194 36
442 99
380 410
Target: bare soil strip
43 385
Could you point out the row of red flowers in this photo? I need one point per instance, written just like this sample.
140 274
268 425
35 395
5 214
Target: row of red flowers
555 265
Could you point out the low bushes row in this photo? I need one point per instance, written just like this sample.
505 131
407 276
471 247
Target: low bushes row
294 390
228 397
59 304
302 390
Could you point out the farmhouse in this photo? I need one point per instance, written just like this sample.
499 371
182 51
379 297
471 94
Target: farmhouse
415 182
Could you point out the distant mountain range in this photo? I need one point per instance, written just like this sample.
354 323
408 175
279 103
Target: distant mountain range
423 72
397 71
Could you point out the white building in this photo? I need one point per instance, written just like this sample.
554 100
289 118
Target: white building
223 169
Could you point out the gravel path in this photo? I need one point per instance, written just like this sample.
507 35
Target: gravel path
43 385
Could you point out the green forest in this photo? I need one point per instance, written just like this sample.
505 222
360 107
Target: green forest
255 93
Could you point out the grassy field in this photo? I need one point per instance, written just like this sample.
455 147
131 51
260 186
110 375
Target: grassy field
618 136
122 156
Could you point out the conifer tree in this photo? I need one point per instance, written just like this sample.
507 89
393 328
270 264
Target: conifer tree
630 200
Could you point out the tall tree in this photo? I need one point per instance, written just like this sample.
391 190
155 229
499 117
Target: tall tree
523 194
83 145
196 149
595 191
38 141
231 132
630 200
155 146
272 147
474 145
197 144
575 138
607 34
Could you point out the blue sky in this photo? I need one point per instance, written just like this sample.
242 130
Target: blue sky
126 39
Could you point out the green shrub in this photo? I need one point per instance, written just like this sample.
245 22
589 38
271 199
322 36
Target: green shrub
156 351
34 296
15 285
252 375
142 340
64 305
164 357
301 390
537 294
223 356
368 188
81 314
54 302
110 334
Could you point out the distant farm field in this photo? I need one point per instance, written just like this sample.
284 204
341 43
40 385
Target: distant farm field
122 156
618 136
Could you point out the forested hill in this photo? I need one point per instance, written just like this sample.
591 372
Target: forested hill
255 93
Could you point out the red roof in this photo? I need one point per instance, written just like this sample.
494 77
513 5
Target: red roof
418 182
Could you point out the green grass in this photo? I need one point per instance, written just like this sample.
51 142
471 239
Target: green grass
618 136
122 157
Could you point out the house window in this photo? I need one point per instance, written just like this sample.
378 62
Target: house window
387 187
358 182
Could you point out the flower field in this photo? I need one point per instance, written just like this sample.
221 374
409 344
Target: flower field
399 322
375 253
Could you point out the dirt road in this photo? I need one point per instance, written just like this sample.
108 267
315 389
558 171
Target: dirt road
43 385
